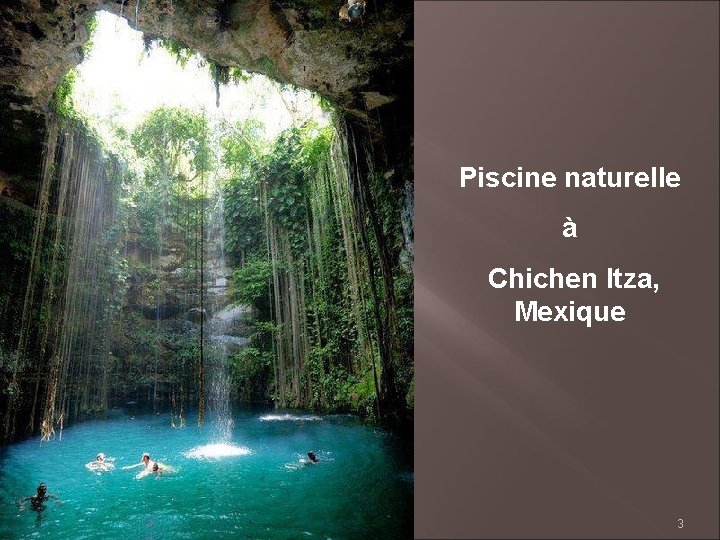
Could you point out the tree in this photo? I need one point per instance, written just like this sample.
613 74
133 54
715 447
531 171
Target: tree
175 144
241 151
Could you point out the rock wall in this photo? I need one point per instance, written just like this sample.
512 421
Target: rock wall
298 41
362 66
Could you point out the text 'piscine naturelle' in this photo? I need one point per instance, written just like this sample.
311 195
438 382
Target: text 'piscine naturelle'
656 177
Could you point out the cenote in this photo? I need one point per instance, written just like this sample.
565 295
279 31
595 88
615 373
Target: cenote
248 486
206 254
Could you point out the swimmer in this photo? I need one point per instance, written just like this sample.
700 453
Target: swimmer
100 464
144 462
150 466
159 468
155 468
37 501
311 459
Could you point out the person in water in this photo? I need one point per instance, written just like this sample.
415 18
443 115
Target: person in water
37 501
144 462
155 468
100 463
311 459
150 467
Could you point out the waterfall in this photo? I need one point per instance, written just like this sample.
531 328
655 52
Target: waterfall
221 325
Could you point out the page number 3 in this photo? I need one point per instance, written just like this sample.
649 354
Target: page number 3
680 523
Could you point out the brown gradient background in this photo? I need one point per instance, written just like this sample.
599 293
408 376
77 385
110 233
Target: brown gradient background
550 430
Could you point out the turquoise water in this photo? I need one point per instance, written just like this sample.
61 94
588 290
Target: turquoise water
362 487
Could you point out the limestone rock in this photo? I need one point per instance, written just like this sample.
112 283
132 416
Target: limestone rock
297 41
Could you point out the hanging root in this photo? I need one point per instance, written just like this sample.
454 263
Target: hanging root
46 430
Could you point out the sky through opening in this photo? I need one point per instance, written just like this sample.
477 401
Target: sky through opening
120 82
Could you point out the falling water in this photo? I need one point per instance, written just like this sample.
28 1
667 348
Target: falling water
66 316
158 323
84 352
220 325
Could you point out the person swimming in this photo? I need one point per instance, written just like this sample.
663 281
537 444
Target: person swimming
37 501
156 468
311 459
144 462
100 464
151 467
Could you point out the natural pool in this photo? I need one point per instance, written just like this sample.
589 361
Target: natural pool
361 488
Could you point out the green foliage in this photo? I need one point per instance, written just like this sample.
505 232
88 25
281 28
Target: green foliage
326 105
180 52
175 142
288 185
244 225
314 147
404 292
293 159
149 352
238 75
10 362
16 229
240 145
147 203
250 369
62 100
251 285
176 147
90 26
70 118
336 389
362 394
285 169
244 222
